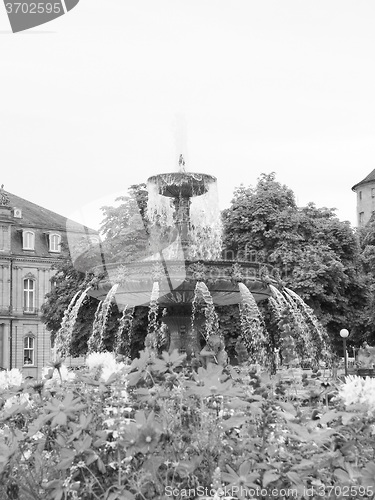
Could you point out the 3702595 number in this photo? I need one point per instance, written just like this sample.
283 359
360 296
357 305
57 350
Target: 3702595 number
33 8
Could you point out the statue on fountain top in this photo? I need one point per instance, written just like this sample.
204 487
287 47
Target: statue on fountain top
181 164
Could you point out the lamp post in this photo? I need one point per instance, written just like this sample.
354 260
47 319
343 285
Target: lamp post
344 334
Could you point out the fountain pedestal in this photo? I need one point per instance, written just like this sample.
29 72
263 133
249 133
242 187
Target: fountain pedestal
182 336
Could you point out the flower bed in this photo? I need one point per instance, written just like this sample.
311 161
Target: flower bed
158 429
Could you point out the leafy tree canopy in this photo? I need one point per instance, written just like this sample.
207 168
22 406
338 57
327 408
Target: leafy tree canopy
125 228
315 253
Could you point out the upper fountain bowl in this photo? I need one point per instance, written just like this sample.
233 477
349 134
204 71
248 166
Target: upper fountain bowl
182 184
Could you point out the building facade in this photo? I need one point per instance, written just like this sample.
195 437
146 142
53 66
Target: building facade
31 239
365 191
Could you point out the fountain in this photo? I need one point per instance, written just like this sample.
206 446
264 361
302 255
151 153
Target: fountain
186 277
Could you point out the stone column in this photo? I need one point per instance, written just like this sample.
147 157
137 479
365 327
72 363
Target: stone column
5 345
1 344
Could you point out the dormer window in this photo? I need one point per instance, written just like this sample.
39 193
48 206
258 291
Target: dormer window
28 240
54 242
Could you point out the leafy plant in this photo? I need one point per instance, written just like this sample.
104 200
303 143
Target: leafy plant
115 431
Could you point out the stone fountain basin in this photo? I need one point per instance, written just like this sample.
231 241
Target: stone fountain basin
177 281
185 184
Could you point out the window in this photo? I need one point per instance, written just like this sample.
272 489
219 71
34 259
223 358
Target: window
28 350
54 242
373 192
361 217
360 195
28 240
29 295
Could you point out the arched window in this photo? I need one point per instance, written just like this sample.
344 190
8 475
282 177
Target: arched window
54 242
28 240
29 295
29 350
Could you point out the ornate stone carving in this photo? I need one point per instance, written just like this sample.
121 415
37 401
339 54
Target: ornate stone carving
157 272
198 271
236 272
30 276
4 198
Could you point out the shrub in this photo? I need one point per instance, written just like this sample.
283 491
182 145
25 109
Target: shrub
158 428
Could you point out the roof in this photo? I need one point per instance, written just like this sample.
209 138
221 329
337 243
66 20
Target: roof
369 178
36 216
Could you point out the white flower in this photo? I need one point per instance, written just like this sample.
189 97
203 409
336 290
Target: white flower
3 380
18 399
99 359
27 454
37 436
357 390
110 422
10 378
352 388
14 377
368 393
106 361
65 374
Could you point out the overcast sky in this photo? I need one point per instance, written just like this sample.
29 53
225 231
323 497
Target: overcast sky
99 99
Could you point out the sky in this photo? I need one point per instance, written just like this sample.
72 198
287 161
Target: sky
115 90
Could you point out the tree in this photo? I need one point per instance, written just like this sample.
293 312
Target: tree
125 227
315 253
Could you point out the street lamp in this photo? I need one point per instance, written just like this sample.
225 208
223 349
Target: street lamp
344 334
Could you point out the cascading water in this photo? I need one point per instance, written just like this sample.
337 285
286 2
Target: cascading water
278 297
94 343
318 334
205 226
309 337
63 338
203 305
202 297
159 208
195 203
163 332
253 332
96 340
153 326
124 334
59 339
300 333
